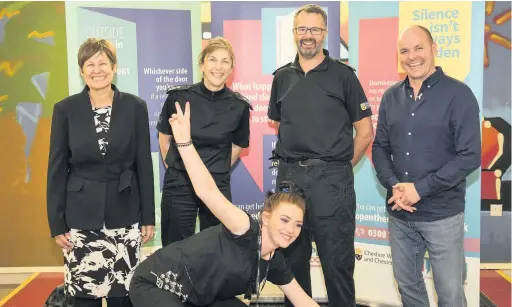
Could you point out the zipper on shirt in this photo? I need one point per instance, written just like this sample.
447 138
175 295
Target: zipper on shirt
300 70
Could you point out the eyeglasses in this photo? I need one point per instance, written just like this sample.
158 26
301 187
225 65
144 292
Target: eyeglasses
313 30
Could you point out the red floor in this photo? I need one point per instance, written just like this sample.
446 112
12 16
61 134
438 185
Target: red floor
496 287
35 290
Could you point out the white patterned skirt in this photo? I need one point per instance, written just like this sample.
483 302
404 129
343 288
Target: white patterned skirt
101 263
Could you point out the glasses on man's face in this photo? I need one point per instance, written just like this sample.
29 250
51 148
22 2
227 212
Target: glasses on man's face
313 30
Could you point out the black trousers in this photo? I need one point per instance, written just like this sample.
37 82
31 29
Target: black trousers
144 293
330 220
155 297
180 205
111 302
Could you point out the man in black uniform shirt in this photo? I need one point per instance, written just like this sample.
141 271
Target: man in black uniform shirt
220 130
316 102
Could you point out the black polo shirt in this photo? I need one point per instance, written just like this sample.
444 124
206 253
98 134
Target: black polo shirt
316 110
433 141
218 120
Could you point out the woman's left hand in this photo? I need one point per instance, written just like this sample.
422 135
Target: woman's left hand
147 232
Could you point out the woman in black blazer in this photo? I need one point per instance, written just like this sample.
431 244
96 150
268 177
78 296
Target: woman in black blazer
100 196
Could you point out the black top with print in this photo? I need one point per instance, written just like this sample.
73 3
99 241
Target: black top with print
102 124
214 264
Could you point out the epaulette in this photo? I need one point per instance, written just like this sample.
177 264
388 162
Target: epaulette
178 88
284 66
243 98
341 62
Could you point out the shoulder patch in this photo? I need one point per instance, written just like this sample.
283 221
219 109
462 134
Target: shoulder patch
243 98
341 62
284 66
175 88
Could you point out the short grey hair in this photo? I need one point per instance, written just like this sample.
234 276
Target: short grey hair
311 9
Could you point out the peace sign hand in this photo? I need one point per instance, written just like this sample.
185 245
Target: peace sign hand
180 123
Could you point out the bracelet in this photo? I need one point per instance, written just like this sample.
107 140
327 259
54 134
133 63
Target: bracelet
184 144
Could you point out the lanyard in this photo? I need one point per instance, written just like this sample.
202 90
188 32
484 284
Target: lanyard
258 289
258 274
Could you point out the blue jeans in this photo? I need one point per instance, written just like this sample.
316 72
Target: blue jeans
444 241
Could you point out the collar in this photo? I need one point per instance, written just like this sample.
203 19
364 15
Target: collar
211 94
431 80
322 66
86 90
112 86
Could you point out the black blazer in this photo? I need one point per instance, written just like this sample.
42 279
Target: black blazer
86 190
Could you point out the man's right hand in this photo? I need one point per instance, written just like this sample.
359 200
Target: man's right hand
63 241
397 200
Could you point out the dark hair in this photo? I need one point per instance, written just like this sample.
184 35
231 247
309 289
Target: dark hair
311 9
94 45
288 192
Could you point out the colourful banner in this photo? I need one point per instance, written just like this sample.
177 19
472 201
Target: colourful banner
158 44
496 229
450 24
33 70
376 81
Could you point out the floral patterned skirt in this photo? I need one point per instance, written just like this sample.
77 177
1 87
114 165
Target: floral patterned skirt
101 263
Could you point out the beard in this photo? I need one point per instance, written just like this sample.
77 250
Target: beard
309 53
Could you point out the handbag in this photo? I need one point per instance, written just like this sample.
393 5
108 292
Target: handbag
59 298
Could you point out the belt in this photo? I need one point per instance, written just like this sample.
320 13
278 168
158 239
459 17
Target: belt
312 162
102 172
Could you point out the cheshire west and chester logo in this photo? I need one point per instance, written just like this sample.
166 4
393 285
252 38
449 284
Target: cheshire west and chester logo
359 254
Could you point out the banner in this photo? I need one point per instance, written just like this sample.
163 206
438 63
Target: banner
457 28
33 70
157 46
496 137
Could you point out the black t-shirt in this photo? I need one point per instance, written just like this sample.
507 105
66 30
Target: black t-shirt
218 120
316 110
215 264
